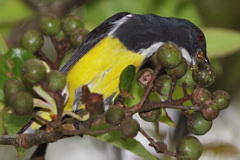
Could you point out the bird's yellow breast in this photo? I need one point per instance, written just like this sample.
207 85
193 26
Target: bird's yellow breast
100 68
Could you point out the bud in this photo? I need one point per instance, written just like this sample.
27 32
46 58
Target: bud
33 71
12 87
221 98
205 75
70 23
210 110
22 103
115 115
200 95
144 76
50 25
129 127
169 55
55 81
189 148
32 40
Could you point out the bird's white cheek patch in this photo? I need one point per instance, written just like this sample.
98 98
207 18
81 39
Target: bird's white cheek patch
150 50
187 56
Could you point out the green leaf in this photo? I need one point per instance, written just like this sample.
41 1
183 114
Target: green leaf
14 11
14 123
18 56
164 118
126 78
3 46
221 42
4 75
116 139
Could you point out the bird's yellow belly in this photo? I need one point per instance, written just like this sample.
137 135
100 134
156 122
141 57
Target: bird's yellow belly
100 69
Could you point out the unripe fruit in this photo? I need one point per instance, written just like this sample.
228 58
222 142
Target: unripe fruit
32 40
77 37
210 110
163 85
115 115
189 148
222 98
205 75
144 76
60 36
187 79
198 125
129 127
55 81
12 87
179 71
169 55
22 103
50 25
151 116
200 95
70 23
33 71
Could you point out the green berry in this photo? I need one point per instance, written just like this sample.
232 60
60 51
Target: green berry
32 40
55 81
60 36
221 98
151 116
144 76
179 71
210 110
198 125
187 80
189 148
129 127
163 85
12 87
169 55
50 25
22 103
200 95
205 75
115 115
33 71
77 37
70 23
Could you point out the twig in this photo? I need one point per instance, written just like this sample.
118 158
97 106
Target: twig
148 90
160 147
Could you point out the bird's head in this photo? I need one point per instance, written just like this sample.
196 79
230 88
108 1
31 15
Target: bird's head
191 38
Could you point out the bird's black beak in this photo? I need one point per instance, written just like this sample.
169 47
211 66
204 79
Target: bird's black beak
202 56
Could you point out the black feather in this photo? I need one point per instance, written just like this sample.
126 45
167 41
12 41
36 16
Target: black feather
92 39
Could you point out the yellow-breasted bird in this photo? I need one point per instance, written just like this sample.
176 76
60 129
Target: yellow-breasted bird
121 40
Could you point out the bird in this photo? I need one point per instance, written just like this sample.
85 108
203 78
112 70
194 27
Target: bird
121 40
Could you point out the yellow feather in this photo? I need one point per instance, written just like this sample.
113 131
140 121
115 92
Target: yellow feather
101 68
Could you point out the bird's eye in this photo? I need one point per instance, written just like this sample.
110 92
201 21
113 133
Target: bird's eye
200 37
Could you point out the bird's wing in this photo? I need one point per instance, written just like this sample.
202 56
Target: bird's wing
92 39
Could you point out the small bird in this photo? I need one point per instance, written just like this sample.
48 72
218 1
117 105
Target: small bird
121 40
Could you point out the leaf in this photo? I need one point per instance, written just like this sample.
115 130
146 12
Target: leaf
126 78
14 11
115 138
164 118
221 42
4 75
3 46
51 103
18 56
14 123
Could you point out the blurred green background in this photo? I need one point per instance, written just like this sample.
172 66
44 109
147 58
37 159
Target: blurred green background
219 20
